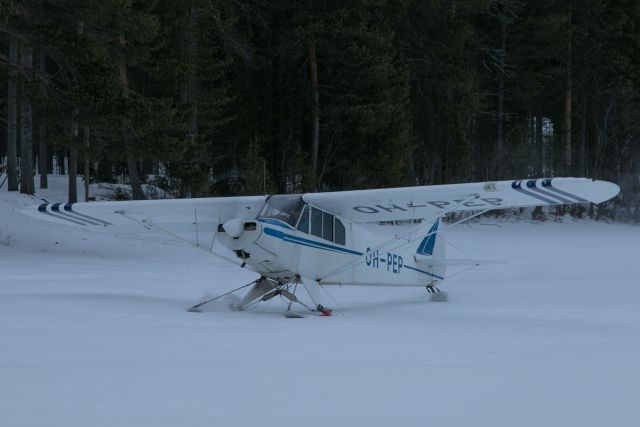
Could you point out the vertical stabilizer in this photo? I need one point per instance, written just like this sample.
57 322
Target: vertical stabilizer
432 246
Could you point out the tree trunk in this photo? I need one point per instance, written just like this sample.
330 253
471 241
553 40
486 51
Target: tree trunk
193 84
43 157
12 119
567 108
134 179
73 174
583 142
533 150
500 113
42 135
60 168
86 164
27 185
540 140
315 113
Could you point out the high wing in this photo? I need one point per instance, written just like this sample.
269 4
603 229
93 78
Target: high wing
425 202
175 215
405 203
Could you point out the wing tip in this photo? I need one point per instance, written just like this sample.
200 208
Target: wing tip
593 190
609 190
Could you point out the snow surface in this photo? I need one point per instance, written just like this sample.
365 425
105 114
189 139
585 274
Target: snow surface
94 332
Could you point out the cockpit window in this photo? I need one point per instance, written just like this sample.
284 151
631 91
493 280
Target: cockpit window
316 222
339 232
322 224
285 208
303 224
327 226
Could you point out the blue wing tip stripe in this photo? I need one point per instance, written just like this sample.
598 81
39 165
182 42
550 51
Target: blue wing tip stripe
548 185
69 215
58 215
548 193
97 221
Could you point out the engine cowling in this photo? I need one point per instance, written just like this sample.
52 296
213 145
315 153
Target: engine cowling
238 234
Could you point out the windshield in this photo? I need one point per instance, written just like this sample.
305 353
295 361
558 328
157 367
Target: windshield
284 208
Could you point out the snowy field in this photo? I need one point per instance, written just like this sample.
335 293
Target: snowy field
94 332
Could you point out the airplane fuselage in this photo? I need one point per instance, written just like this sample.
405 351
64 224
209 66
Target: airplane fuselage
278 250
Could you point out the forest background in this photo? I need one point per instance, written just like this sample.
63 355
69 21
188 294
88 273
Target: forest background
227 97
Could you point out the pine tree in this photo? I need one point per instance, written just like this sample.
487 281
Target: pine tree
440 45
12 124
26 122
257 177
364 115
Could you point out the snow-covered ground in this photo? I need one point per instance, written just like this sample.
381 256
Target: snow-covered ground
94 332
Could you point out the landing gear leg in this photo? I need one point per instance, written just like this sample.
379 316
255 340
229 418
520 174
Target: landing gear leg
265 289
261 290
315 293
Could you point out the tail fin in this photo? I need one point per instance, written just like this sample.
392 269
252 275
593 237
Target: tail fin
432 247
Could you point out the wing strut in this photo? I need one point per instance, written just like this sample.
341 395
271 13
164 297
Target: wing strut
149 226
429 221
197 308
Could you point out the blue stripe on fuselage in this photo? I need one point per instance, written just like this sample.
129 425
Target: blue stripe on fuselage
307 242
327 247
277 222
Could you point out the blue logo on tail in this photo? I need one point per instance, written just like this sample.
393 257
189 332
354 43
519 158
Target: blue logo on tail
429 242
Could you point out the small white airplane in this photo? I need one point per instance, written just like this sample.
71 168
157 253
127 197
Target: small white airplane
380 237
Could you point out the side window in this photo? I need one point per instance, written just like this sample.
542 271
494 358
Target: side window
316 222
303 224
327 226
339 233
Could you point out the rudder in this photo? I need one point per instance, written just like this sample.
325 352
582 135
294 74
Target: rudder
432 246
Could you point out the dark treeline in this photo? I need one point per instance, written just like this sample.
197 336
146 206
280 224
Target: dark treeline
218 97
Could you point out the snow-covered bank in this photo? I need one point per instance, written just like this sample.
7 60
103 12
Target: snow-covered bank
93 331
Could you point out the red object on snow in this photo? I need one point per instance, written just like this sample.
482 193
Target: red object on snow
325 312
